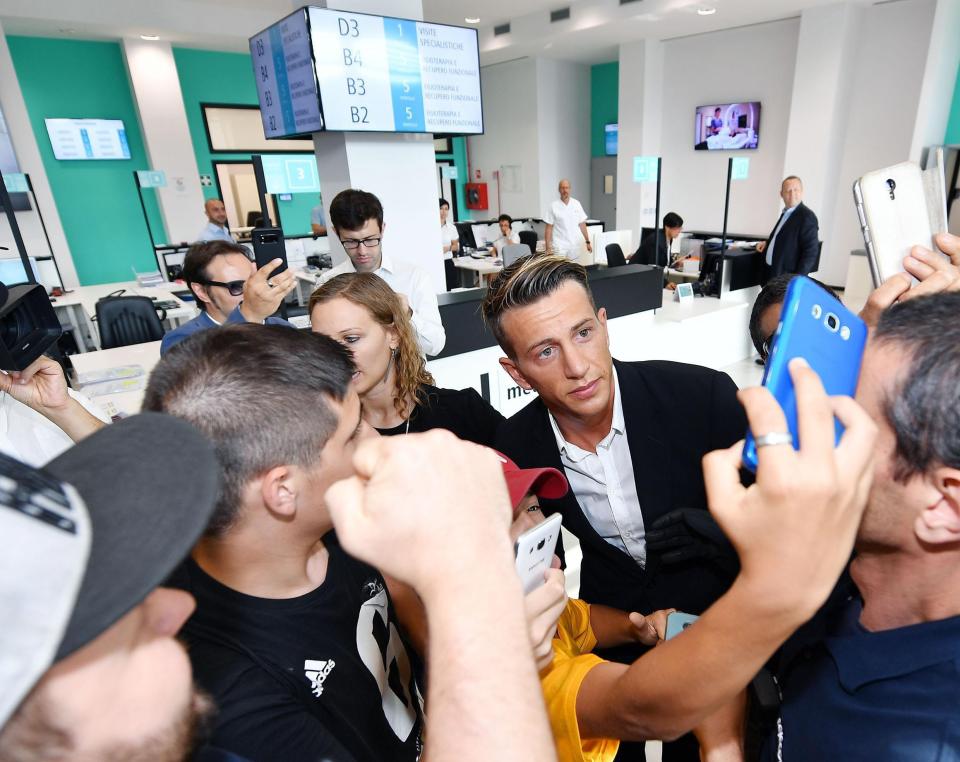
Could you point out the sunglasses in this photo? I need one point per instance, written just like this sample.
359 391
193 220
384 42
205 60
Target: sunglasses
235 287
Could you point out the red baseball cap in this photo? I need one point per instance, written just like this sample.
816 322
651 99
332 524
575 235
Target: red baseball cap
542 482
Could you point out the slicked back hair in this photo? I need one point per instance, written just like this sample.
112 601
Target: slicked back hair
923 405
260 393
524 282
199 256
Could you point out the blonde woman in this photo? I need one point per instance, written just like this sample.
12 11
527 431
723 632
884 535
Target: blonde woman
397 392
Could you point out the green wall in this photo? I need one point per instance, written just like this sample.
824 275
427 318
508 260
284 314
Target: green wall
459 157
208 76
953 124
97 200
604 102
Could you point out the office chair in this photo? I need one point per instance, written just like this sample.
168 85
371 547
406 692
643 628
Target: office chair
615 256
529 237
126 320
513 251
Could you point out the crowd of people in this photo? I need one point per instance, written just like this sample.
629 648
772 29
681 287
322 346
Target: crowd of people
331 536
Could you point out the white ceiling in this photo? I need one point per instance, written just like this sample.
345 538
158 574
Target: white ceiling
592 34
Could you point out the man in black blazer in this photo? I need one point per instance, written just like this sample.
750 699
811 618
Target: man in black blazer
793 245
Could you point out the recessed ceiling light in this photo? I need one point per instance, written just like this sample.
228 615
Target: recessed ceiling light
472 20
706 11
150 37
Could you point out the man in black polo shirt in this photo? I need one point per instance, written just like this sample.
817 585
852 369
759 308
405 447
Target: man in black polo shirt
875 674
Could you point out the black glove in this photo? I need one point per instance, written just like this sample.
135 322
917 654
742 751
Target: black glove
690 534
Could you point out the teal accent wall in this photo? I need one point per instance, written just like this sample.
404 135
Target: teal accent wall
208 76
459 157
97 200
953 123
604 102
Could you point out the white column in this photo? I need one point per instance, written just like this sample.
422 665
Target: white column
163 119
939 76
819 109
400 169
28 157
639 118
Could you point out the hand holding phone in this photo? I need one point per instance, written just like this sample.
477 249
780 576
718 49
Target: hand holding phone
815 326
677 622
534 552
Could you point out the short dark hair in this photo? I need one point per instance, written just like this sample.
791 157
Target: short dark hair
923 404
716 109
199 257
773 293
350 209
444 202
260 393
506 217
672 220
524 282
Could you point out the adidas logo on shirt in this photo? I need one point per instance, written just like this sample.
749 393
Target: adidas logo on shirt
316 672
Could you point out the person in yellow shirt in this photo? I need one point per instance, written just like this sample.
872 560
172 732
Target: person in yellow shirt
580 628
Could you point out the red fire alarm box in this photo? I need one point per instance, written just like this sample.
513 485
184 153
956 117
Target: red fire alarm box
476 194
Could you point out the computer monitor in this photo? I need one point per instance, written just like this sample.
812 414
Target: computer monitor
465 231
12 271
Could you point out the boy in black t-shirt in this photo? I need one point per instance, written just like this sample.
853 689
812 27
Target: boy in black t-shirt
298 642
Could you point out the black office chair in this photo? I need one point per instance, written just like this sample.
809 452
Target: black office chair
529 237
126 320
615 256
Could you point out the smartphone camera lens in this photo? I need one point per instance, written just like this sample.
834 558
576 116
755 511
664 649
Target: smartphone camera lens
845 332
817 311
832 322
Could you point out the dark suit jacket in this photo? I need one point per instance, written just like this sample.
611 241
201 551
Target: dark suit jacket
798 244
674 414
646 253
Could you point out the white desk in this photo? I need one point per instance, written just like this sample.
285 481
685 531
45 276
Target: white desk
145 355
488 266
306 279
79 306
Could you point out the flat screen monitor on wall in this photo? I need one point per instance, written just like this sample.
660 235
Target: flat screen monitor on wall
610 135
727 126
323 69
85 139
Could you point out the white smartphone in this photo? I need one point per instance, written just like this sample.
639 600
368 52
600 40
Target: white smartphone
534 551
899 207
677 622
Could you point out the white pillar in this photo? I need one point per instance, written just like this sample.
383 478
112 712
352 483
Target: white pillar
639 119
163 119
819 109
400 169
939 76
28 157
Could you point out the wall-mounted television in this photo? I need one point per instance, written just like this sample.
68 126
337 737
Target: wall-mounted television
81 139
727 126
610 135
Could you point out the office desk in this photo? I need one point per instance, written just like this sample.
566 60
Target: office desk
125 403
307 282
79 307
482 268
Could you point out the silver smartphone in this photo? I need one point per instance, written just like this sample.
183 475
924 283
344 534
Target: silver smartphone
899 207
534 551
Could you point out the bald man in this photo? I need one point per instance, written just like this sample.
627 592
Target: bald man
216 228
566 224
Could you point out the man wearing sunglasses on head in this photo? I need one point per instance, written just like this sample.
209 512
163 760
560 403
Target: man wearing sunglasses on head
357 218
229 289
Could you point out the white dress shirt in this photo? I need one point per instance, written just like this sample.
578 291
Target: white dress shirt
448 233
214 232
505 240
566 219
604 485
773 239
414 284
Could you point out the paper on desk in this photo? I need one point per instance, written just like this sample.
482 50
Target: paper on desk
115 386
109 374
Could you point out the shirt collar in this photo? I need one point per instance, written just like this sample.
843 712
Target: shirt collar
864 657
787 212
617 427
212 320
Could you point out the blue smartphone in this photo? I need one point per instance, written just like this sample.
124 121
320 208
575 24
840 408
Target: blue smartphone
813 325
677 622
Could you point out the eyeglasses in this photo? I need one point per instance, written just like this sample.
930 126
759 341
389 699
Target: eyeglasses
235 287
765 348
351 244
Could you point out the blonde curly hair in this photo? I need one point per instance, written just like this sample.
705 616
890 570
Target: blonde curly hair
373 294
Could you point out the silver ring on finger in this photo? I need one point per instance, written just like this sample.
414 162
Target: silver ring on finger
774 438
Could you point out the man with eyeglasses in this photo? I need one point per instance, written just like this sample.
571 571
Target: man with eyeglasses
357 218
229 289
